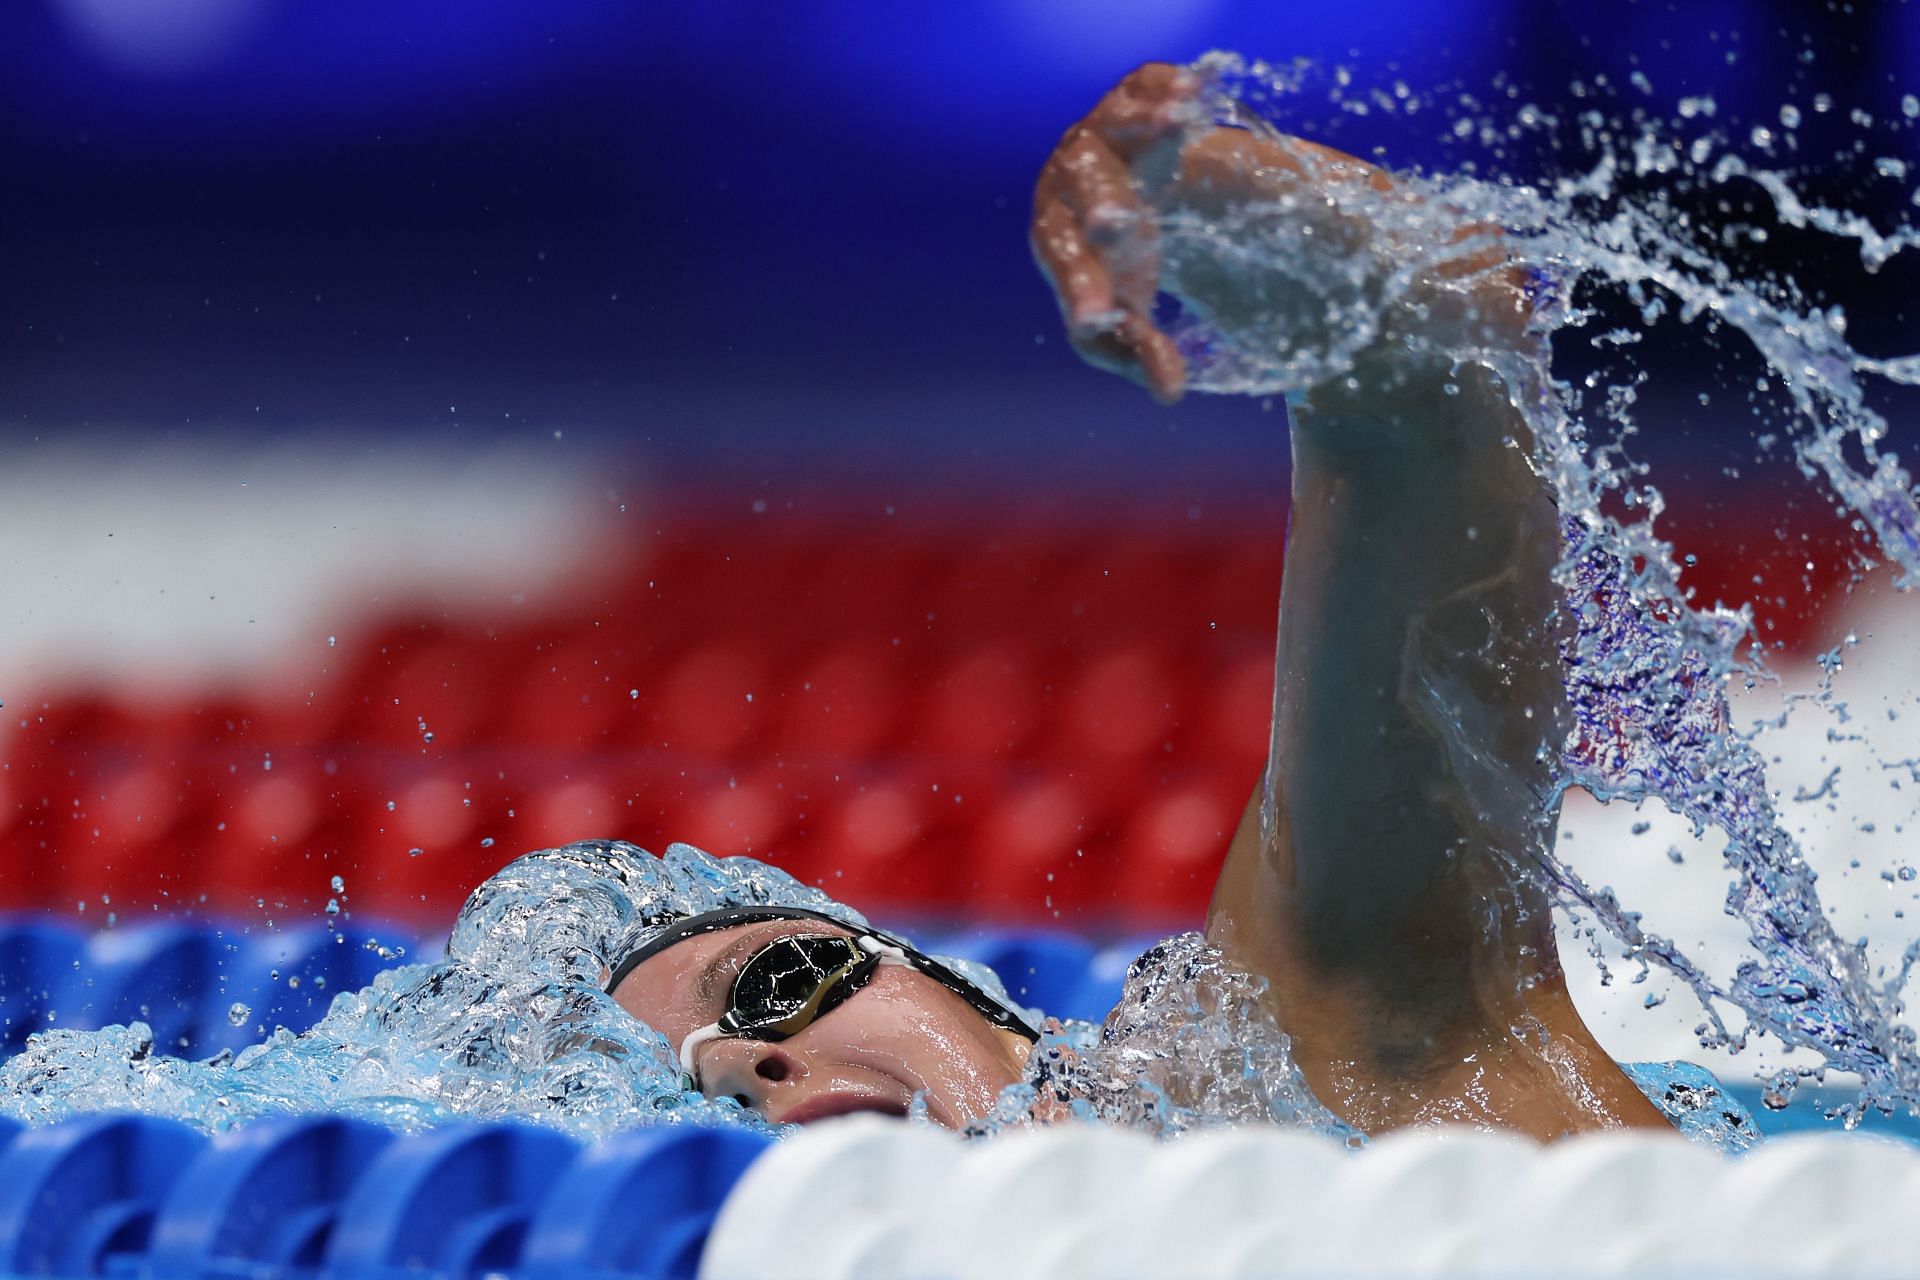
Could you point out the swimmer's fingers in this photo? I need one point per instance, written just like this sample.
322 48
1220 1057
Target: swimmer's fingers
1094 183
1095 235
1151 105
1135 349
1160 360
1108 329
1080 277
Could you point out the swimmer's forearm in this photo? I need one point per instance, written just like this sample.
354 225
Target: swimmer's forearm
1405 557
1403 772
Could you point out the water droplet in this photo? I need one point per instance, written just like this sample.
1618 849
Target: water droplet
238 1013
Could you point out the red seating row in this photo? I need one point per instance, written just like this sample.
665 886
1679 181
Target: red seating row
1011 721
1132 847
998 699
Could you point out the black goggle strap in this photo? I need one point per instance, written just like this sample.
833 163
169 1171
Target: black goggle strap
679 929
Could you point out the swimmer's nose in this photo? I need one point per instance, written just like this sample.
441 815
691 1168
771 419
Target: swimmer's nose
747 1070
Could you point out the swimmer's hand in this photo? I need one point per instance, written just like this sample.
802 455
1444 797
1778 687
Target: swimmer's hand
1093 230
1150 147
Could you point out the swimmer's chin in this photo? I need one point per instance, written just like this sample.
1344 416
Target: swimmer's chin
843 1102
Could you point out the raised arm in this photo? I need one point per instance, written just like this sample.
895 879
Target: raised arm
1380 882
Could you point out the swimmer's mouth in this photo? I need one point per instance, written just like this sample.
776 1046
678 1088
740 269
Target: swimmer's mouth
828 1105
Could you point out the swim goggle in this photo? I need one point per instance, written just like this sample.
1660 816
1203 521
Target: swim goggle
792 982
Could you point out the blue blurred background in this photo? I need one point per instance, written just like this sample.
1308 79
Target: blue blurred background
741 236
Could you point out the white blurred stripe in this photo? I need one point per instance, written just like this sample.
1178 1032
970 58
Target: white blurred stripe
157 566
872 1199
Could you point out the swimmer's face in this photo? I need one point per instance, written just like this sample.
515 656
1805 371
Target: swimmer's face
903 1033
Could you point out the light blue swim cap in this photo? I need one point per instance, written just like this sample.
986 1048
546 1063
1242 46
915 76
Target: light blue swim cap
578 910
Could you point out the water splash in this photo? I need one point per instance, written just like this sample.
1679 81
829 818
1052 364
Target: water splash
1189 1046
1646 670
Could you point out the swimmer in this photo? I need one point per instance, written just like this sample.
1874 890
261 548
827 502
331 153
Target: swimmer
1380 879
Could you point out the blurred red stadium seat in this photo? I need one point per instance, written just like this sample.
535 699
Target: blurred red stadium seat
1120 706
1172 849
843 702
280 835
741 813
443 693
715 702
1040 853
1236 720
864 579
893 842
792 683
1007 581
133 843
587 806
987 703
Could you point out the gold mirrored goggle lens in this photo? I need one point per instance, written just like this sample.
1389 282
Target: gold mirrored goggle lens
790 982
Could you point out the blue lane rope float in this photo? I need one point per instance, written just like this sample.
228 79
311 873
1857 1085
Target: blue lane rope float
79 1198
38 959
453 1201
325 1197
184 977
639 1204
154 973
263 1200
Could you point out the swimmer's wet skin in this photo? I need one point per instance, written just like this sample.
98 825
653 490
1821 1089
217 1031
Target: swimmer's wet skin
1381 890
802 1016
772 986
